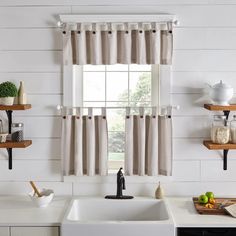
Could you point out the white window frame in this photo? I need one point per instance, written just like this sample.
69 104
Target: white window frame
73 87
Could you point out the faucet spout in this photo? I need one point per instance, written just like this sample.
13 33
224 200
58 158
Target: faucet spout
120 181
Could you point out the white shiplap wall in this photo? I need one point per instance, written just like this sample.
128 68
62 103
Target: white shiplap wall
204 51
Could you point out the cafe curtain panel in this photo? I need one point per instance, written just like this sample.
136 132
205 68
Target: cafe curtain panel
148 145
122 43
84 145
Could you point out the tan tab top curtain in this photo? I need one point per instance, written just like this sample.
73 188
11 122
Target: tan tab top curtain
148 145
122 43
84 145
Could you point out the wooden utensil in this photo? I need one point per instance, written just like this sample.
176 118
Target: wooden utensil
35 189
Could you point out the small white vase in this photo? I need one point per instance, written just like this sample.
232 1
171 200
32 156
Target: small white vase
22 99
7 101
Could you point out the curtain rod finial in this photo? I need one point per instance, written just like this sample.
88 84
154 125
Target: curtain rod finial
176 22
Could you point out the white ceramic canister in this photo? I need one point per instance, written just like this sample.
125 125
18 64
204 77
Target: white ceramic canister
221 93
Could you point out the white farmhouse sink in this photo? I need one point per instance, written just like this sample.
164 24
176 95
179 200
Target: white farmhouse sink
106 217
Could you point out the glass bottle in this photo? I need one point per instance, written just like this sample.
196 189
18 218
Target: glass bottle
17 132
233 130
22 99
220 131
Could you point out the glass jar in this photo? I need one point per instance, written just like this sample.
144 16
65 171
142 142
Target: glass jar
220 131
17 132
233 130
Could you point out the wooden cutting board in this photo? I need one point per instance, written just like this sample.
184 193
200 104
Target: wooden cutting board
217 210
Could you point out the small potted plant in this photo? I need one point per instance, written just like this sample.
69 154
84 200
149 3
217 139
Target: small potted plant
8 91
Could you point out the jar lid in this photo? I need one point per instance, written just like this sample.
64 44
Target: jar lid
17 125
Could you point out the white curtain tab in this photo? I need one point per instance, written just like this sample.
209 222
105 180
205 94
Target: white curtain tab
118 43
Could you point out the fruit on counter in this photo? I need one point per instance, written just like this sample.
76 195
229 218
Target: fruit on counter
210 195
209 205
212 201
203 199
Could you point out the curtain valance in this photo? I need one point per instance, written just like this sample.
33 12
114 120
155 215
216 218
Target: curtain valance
123 43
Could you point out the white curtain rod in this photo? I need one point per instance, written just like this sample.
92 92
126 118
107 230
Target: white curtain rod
118 19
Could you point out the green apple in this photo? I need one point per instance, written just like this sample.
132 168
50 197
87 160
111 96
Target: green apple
209 194
203 199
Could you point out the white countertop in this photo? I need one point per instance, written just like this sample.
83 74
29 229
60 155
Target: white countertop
185 215
20 211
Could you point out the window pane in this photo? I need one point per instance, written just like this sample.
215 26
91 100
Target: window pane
94 104
117 67
93 68
94 86
117 86
115 119
116 144
140 86
117 104
135 67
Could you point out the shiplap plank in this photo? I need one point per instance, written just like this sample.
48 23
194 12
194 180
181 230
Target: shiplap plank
30 61
204 60
200 38
40 16
190 104
22 188
41 149
186 170
30 39
42 105
193 149
4 231
25 170
36 83
212 170
111 2
198 126
196 82
40 127
188 16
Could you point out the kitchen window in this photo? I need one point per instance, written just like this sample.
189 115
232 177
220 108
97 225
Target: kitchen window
114 87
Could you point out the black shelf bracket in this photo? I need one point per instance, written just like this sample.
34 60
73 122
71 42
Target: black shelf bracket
9 150
225 151
225 157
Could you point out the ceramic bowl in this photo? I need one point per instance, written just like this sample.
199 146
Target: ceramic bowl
3 137
47 196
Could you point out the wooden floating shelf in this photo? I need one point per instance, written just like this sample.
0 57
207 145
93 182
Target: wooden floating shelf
211 107
15 107
214 146
22 144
